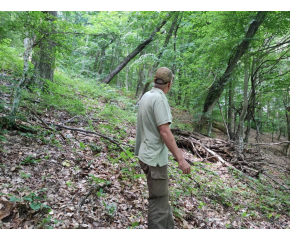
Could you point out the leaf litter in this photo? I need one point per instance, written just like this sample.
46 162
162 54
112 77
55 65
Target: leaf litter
87 187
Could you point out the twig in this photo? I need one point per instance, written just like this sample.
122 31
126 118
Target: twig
275 181
68 121
43 122
268 143
224 121
196 151
96 133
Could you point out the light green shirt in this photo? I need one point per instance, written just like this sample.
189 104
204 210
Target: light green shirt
153 111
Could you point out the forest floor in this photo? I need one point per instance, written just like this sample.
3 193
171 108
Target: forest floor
86 181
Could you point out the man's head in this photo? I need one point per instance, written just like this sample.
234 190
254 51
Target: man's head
163 79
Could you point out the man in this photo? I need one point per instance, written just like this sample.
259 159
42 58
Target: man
153 139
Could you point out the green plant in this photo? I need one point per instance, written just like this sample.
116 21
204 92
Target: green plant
77 168
95 148
25 175
82 146
34 201
101 193
110 208
133 225
98 181
2 137
69 183
45 223
30 160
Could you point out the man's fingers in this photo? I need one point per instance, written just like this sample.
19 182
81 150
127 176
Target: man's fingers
186 170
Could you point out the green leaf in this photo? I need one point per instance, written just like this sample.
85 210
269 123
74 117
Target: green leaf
135 224
14 199
27 199
35 206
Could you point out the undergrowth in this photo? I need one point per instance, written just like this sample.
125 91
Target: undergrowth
246 198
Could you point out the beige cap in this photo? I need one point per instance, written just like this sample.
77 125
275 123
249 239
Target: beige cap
163 75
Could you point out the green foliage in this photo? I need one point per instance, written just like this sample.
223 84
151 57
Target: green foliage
101 193
95 148
2 137
264 199
33 199
98 181
25 175
110 208
30 160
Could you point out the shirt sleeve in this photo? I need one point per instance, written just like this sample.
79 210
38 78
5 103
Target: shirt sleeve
162 113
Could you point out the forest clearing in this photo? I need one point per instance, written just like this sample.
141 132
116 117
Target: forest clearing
70 83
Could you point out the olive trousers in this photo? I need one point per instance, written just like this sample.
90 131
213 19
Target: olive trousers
159 210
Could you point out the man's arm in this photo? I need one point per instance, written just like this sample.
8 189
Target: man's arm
169 141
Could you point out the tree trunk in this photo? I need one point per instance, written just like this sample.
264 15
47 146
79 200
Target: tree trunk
287 114
100 66
247 133
174 44
140 81
240 138
44 57
280 133
84 57
17 95
136 51
127 74
218 86
231 114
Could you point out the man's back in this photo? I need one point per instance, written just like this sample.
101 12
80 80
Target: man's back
153 111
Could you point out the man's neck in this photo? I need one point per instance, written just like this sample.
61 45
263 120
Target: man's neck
163 90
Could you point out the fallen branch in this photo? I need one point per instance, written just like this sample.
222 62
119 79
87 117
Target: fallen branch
265 174
43 122
196 151
213 154
96 133
268 143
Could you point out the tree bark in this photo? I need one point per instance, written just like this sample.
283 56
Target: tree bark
141 80
287 114
17 95
218 86
136 51
231 114
240 137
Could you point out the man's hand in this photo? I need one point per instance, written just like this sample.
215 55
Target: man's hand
184 166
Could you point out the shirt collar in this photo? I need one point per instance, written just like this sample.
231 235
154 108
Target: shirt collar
157 90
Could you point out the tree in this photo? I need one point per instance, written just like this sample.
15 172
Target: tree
137 50
44 55
218 86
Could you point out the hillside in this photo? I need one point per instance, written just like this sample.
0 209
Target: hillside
73 167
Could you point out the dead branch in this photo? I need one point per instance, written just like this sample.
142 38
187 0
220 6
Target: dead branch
96 133
265 174
70 120
35 114
196 151
267 143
